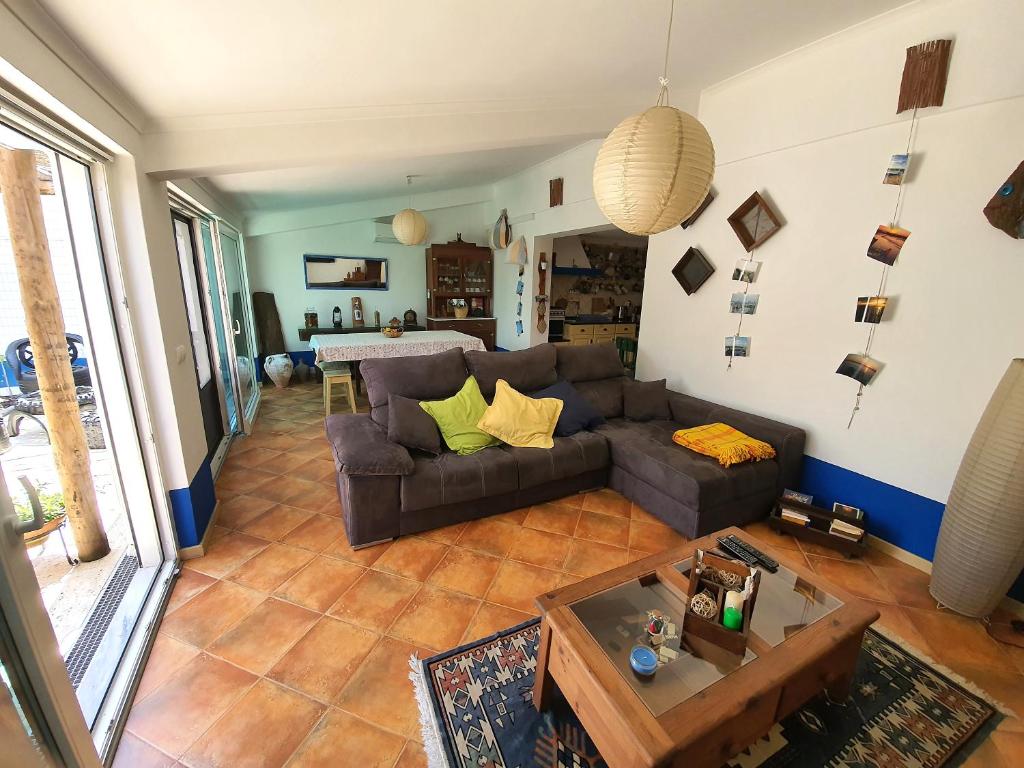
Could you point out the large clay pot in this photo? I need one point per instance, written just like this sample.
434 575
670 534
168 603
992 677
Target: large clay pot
279 369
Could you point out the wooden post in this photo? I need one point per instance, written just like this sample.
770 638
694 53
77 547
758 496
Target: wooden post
19 184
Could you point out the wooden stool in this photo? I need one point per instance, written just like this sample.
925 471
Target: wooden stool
337 373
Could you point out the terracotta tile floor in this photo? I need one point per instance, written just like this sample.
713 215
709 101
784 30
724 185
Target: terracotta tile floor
283 646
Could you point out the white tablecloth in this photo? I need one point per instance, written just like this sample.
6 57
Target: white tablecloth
362 346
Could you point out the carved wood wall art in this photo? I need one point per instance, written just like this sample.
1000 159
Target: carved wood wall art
555 192
924 75
1005 210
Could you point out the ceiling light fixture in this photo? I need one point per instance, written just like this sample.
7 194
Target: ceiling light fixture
656 167
409 225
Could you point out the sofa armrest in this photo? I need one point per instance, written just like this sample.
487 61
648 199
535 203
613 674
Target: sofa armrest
361 447
788 441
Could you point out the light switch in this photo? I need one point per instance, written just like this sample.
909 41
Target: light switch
179 353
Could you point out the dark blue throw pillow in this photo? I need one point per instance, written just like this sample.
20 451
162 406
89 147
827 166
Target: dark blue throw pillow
576 414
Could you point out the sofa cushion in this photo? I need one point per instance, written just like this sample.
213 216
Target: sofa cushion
588 363
605 395
646 451
570 456
645 400
420 377
411 426
524 370
450 478
458 416
519 420
577 413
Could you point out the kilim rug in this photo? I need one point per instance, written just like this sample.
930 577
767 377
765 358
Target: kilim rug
476 710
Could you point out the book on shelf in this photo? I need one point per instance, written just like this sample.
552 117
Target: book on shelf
845 530
797 518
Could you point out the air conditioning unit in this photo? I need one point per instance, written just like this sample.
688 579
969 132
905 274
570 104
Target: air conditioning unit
382 231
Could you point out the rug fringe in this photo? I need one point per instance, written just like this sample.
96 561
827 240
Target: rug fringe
428 726
960 680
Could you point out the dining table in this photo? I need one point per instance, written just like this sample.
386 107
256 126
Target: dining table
354 347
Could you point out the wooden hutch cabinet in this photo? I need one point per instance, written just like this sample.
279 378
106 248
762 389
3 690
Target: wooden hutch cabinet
458 270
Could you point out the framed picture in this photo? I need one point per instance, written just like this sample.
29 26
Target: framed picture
700 209
846 509
887 244
746 270
692 270
754 222
737 346
804 498
743 303
860 368
897 169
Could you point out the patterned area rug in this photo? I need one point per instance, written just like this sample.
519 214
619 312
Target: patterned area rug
476 710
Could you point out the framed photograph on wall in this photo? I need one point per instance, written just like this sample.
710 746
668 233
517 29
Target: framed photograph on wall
700 209
692 270
754 222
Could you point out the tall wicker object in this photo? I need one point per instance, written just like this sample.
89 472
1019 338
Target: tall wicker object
981 543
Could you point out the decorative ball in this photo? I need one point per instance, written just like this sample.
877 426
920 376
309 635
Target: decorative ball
410 227
653 170
704 605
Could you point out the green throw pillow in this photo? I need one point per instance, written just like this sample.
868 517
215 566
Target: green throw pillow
458 416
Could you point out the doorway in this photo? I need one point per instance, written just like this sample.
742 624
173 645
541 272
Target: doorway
94 608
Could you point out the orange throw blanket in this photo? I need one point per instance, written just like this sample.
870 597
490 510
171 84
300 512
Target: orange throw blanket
720 441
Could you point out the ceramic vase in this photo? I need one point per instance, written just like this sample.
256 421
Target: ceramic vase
279 369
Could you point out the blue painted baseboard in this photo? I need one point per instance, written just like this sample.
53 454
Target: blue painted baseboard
192 507
906 519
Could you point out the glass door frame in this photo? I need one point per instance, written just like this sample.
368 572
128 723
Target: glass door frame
246 410
36 658
128 420
208 294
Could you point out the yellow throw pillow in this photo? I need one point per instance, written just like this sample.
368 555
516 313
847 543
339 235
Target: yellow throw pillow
521 421
722 442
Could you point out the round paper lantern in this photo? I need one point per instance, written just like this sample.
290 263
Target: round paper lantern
653 170
410 227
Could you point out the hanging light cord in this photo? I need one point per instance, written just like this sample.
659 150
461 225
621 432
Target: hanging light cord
885 268
663 80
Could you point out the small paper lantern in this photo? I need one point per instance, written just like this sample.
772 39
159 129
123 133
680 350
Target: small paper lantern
653 170
410 227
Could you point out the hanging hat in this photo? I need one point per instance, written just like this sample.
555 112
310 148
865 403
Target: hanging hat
517 253
501 232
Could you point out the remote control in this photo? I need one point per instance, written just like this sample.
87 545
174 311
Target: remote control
747 552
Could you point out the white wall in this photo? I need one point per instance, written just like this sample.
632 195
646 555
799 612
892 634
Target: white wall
275 261
813 131
525 195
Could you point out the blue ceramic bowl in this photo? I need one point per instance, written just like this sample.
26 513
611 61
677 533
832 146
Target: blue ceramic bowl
643 660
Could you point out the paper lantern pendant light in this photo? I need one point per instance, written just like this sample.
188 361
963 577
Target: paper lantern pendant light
409 225
655 168
981 542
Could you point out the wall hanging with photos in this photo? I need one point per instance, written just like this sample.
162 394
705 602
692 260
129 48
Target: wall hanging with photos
753 222
923 85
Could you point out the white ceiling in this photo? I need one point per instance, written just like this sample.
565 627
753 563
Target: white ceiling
235 63
294 188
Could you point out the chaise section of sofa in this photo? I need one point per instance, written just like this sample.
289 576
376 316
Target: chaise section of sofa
388 491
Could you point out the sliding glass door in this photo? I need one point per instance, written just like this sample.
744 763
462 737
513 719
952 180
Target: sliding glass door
238 312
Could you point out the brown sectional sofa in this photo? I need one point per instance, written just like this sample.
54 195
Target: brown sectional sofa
388 491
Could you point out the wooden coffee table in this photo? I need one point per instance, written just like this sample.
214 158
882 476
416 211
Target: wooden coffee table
705 705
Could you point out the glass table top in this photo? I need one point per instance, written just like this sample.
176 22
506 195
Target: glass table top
617 617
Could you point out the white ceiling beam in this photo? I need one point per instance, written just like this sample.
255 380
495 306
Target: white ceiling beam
213 151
